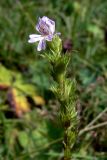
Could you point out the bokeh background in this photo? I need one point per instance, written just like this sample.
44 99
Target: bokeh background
29 127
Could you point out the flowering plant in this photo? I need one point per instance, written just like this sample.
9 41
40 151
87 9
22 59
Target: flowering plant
63 88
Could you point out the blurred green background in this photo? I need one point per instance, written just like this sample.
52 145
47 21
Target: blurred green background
29 128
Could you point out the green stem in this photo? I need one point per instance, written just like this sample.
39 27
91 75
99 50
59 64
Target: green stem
67 150
64 90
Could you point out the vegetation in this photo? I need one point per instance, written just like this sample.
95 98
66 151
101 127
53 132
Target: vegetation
29 124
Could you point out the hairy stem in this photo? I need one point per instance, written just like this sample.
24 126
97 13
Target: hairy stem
64 90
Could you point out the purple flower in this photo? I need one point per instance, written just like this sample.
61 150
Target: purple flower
46 28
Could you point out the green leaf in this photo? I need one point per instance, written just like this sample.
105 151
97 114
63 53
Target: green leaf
23 139
95 30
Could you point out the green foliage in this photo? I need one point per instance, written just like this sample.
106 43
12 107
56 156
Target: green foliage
84 22
39 74
64 89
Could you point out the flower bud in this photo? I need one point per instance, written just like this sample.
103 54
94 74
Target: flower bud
56 44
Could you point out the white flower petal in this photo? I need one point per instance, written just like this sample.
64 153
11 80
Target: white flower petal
45 26
44 18
52 29
37 27
41 45
35 39
31 40
34 36
51 25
